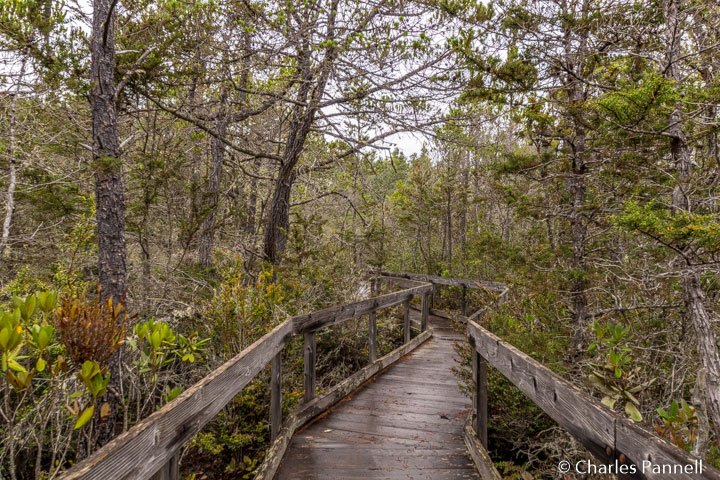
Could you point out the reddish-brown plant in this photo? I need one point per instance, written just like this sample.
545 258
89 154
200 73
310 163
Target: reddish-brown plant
91 329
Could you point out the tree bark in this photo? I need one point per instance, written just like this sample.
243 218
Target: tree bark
574 58
217 158
109 189
12 165
250 227
681 197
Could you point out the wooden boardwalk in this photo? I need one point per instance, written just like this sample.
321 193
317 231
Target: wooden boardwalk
407 423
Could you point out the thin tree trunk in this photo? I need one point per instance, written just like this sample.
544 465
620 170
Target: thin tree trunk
250 226
449 231
109 189
464 208
574 58
217 158
13 164
699 400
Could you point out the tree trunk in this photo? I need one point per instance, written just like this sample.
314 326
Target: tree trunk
250 222
312 88
217 158
681 198
12 166
574 58
278 222
707 344
109 189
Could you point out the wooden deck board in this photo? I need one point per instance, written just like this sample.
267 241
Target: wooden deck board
405 424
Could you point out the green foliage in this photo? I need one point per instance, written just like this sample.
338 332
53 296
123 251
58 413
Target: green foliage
238 313
95 379
674 228
159 346
679 424
634 102
615 375
26 337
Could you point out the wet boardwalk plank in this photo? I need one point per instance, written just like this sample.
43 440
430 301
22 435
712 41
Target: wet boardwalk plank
405 424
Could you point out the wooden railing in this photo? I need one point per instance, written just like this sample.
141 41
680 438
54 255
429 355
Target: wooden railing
611 438
151 448
499 288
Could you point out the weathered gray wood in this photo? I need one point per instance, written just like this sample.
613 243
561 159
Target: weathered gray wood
309 365
441 313
341 313
456 282
425 311
276 396
477 315
319 405
372 337
406 321
140 452
480 399
584 417
593 426
635 444
481 457
169 471
463 306
387 430
347 386
402 282
274 455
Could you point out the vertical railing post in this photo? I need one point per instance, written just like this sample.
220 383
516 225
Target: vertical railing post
480 400
275 396
169 471
372 337
309 363
464 300
406 320
425 311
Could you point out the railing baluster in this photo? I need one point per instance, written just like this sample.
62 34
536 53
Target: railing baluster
372 337
169 471
406 320
480 399
276 396
464 300
425 312
309 362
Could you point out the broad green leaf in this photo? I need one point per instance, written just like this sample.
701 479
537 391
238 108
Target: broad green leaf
14 365
85 417
609 401
632 411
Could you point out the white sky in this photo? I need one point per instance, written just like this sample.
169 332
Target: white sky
408 143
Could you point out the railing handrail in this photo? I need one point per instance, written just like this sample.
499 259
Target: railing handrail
609 436
498 287
153 442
